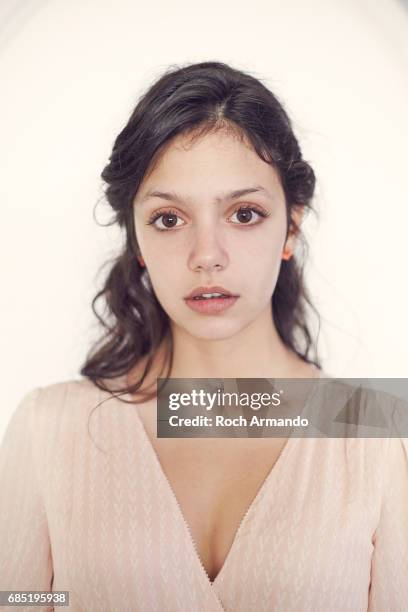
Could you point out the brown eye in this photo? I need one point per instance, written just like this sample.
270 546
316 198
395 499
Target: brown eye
164 221
169 220
244 215
249 215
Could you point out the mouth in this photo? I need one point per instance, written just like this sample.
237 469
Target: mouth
210 300
213 296
210 293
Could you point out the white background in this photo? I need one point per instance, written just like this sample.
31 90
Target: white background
71 74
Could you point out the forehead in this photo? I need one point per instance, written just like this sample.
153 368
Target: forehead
220 159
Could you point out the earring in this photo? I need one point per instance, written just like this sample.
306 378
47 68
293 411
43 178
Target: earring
141 261
287 254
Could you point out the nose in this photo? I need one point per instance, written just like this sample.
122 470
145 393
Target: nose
207 252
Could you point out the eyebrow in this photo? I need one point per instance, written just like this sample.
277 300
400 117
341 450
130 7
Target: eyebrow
237 193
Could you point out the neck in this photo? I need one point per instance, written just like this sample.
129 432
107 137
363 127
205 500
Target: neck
256 352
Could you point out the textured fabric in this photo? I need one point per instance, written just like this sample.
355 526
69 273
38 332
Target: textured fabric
91 511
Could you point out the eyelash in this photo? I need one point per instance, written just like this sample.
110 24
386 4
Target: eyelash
156 215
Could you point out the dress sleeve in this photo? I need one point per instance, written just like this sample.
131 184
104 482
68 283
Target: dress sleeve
25 551
389 569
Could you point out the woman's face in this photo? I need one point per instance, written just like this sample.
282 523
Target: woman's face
196 237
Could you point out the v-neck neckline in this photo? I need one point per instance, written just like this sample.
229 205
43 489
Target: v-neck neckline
261 493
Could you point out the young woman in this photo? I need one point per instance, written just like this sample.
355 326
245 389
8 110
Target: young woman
208 181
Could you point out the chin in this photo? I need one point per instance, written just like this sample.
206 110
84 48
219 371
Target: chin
212 328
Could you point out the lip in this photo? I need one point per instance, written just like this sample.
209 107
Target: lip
201 290
212 306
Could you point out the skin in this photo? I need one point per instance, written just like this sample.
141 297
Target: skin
212 246
208 247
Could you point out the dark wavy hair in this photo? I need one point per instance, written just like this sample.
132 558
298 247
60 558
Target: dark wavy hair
194 100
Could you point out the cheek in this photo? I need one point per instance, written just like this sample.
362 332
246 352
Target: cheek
261 265
162 251
166 279
164 273
262 252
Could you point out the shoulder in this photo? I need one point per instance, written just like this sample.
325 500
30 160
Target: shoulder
72 393
47 419
55 419
43 411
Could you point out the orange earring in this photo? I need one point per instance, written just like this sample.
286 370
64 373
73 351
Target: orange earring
141 261
287 254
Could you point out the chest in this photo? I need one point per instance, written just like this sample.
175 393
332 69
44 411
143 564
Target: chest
215 482
119 525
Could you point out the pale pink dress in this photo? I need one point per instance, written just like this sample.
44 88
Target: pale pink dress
92 512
